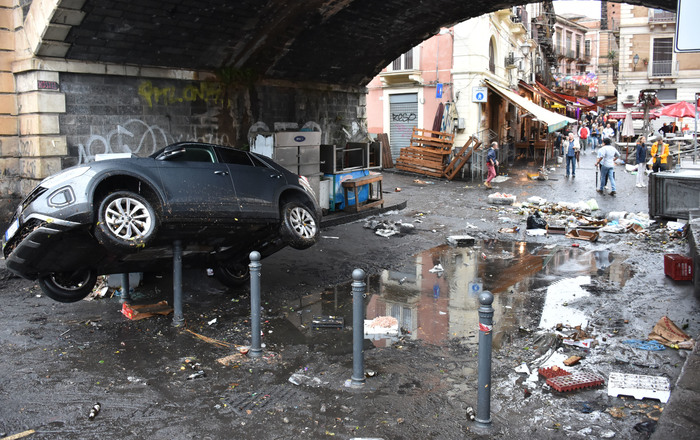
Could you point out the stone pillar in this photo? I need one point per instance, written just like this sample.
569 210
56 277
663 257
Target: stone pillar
9 146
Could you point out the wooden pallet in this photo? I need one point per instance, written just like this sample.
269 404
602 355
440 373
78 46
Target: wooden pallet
427 153
462 157
432 139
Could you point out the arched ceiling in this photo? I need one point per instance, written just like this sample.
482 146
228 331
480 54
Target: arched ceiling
343 42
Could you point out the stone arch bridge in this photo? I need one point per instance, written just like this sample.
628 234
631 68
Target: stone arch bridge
83 77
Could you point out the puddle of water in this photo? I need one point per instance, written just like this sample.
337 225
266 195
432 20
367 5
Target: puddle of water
438 305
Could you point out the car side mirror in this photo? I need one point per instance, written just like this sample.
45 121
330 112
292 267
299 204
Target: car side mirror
171 152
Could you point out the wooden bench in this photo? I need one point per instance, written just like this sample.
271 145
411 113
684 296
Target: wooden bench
356 185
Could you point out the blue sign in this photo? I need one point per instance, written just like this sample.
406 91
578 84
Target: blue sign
438 91
299 138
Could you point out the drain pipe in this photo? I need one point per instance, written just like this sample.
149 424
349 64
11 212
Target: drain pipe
255 343
483 405
358 328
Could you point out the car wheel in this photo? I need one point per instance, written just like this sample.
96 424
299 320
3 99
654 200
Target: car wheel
126 220
68 287
299 228
232 273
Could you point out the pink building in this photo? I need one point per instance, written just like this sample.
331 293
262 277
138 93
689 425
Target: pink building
407 93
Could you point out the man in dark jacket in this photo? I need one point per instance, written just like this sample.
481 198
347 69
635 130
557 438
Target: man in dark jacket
491 164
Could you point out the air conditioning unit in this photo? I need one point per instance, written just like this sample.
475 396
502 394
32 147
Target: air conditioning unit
510 61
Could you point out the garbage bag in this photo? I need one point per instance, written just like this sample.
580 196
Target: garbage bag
534 221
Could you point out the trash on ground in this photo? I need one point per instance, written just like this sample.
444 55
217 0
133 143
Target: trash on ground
645 345
585 343
575 381
573 360
535 221
513 230
536 232
668 333
94 411
522 369
639 386
579 234
538 176
501 199
461 240
303 379
328 321
141 311
678 267
196 375
208 339
551 372
646 427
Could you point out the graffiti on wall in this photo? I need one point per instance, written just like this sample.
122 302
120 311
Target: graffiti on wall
204 91
404 117
139 138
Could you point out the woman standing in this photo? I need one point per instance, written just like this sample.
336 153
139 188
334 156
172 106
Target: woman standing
641 156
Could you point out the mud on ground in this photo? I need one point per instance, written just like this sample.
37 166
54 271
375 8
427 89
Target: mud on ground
61 359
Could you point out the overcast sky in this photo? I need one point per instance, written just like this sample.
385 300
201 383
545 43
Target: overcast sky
590 8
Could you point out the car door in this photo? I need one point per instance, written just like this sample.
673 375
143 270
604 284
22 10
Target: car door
197 185
256 184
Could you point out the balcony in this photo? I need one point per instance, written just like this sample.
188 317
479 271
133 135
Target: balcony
663 69
659 17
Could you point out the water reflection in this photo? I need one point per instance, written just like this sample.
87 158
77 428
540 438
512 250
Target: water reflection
435 299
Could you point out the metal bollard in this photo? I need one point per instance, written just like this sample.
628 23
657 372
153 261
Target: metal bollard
358 327
125 295
483 404
255 343
178 318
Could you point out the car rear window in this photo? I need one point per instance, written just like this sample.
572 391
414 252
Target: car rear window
238 157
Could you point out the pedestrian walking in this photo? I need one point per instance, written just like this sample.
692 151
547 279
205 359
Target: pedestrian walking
583 134
608 132
641 156
491 164
606 161
572 147
659 151
593 138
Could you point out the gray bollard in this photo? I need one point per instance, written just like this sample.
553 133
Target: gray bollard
125 295
358 327
483 404
178 317
255 343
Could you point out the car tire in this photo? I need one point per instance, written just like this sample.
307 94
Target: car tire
125 221
232 273
68 287
300 227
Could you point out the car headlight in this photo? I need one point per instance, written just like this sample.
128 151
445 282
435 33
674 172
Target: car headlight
64 176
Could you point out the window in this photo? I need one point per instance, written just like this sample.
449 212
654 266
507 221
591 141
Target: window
667 94
404 62
662 57
578 46
237 157
194 154
587 48
492 57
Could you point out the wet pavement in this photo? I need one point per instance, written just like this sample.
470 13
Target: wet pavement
61 359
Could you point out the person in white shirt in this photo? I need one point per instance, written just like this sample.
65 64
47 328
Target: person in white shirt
606 160
571 148
608 132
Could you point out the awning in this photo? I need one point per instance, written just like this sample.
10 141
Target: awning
554 121
549 94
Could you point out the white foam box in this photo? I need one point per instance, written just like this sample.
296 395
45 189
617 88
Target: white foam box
639 386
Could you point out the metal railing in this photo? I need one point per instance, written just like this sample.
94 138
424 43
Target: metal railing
662 17
662 68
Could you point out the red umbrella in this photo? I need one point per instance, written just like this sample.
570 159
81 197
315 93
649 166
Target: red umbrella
680 109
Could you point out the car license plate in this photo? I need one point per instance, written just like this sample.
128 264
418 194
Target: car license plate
11 231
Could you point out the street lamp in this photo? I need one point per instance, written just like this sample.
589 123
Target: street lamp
635 60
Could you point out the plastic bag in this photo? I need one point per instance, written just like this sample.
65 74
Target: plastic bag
534 221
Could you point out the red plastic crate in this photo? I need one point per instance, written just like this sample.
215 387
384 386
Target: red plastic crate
551 372
678 267
575 381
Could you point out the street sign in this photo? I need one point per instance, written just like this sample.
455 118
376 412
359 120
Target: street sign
438 91
687 39
479 94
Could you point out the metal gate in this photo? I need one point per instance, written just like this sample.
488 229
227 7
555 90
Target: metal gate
403 114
